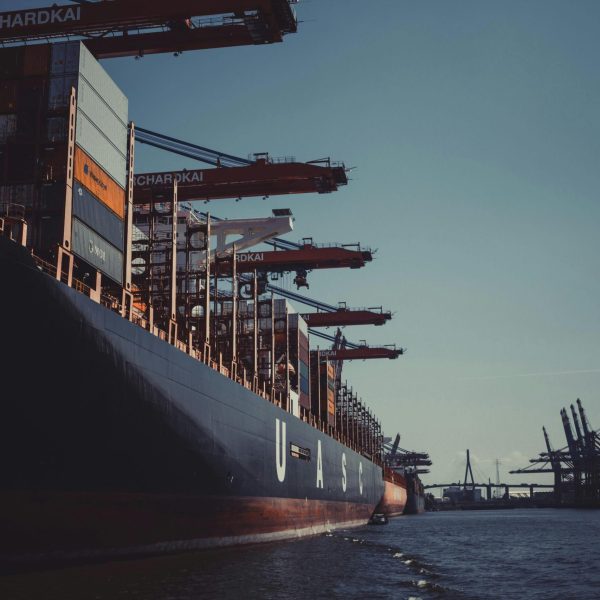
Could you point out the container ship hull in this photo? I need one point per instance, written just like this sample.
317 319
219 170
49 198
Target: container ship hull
114 442
394 499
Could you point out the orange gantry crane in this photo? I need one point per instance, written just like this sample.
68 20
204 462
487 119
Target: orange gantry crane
259 178
305 258
362 352
115 28
344 316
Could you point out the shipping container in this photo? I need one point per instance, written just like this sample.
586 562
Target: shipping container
94 213
11 62
101 114
27 126
65 58
47 235
304 384
95 179
8 96
322 378
94 74
89 137
73 58
20 163
53 164
96 251
8 127
56 129
52 197
36 60
32 94
59 91
23 194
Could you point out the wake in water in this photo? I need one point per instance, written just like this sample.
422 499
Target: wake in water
413 564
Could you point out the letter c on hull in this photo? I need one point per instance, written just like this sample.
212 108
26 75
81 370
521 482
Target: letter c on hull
280 453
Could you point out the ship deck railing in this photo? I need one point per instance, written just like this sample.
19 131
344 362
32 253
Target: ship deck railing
252 384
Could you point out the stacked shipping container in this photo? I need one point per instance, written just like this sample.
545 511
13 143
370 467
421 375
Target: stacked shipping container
35 90
322 387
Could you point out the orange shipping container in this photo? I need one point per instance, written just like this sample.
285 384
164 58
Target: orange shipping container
99 183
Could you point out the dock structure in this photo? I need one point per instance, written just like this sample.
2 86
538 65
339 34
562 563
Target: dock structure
575 467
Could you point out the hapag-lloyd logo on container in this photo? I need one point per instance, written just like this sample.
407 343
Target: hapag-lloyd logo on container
92 175
40 17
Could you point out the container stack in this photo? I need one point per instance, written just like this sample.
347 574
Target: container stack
35 95
323 387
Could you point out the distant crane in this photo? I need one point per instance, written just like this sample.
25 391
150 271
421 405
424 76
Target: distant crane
576 467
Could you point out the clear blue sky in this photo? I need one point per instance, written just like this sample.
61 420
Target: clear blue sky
474 128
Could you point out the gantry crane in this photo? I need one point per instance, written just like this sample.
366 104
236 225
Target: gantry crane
576 467
115 28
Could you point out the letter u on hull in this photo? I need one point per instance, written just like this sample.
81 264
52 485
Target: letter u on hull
280 453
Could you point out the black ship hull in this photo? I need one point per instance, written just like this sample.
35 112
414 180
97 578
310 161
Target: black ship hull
114 442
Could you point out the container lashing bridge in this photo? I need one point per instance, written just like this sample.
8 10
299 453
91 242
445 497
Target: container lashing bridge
120 28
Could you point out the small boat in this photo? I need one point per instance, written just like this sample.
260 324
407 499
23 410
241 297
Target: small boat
378 519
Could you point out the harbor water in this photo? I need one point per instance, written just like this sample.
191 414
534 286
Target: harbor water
535 554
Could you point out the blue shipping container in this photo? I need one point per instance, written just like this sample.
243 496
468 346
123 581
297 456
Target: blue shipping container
94 213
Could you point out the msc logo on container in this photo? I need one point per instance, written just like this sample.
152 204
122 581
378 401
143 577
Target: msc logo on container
96 251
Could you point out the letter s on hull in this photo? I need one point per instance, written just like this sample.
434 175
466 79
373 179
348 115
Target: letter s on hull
344 480
280 453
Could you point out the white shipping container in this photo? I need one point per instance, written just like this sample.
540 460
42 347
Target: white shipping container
72 58
100 113
93 72
8 127
104 152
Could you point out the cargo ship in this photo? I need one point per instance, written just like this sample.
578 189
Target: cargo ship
402 481
156 396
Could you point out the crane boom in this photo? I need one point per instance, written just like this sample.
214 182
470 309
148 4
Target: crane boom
261 178
307 258
127 27
347 316
363 353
